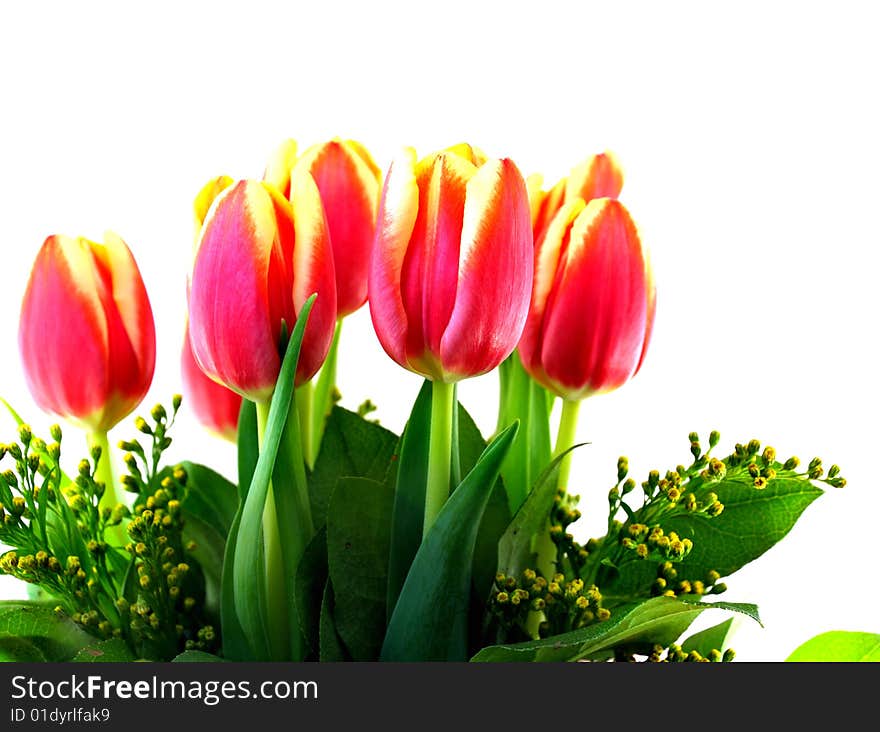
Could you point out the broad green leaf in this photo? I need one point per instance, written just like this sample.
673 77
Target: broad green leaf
331 647
114 650
529 455
248 446
248 582
55 637
408 514
308 588
752 522
197 657
843 646
515 546
19 650
358 542
352 447
635 627
714 638
436 593
209 509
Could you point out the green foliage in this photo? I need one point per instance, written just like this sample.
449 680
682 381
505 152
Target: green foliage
35 632
839 646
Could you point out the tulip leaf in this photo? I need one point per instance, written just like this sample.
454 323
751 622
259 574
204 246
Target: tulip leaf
358 542
515 546
331 646
32 631
249 585
408 513
436 593
325 382
248 449
752 522
352 447
634 628
838 646
527 401
308 589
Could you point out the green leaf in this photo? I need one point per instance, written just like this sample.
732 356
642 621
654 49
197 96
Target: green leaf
235 643
838 646
352 447
408 514
209 510
249 585
529 455
35 628
197 657
324 384
331 646
714 638
358 542
248 446
635 627
430 620
308 588
515 547
752 522
114 650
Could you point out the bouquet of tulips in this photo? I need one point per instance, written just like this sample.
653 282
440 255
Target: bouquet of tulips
339 539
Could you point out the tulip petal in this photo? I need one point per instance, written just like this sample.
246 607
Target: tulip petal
279 166
349 188
599 176
430 269
215 406
596 317
551 202
206 196
396 219
235 315
313 272
497 248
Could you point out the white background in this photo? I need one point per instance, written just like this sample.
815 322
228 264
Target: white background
749 141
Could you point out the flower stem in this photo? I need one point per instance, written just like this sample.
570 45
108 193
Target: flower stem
276 605
104 474
305 400
439 451
325 385
565 439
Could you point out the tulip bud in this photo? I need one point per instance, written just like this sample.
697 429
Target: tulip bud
215 406
598 176
593 301
259 259
86 331
451 271
348 181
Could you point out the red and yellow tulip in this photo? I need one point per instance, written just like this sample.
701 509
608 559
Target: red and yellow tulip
86 331
451 272
259 259
348 180
593 301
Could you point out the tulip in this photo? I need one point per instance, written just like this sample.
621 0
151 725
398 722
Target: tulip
592 306
450 278
87 337
86 332
259 259
598 176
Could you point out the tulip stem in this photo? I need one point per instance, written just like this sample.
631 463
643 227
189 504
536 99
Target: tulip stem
104 474
305 402
273 570
565 439
439 451
325 388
